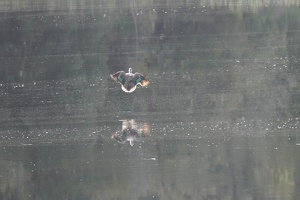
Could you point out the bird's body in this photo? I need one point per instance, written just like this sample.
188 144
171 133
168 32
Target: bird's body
129 81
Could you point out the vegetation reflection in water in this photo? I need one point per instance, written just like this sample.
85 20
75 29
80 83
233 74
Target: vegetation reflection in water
235 168
222 106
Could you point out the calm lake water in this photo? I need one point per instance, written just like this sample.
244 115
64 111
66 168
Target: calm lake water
219 119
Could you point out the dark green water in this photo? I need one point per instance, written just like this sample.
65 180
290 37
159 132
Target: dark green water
219 119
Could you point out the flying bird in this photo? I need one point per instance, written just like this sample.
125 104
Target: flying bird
129 81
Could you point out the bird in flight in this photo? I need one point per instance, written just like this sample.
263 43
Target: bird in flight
129 81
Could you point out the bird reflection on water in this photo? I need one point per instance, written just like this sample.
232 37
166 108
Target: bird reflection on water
131 131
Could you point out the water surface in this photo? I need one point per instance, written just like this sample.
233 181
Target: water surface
219 119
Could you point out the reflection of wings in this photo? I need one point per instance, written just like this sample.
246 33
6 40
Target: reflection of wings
144 128
131 131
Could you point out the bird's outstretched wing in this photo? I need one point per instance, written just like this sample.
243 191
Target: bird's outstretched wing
140 79
118 77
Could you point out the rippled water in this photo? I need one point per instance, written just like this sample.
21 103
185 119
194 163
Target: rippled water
219 119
